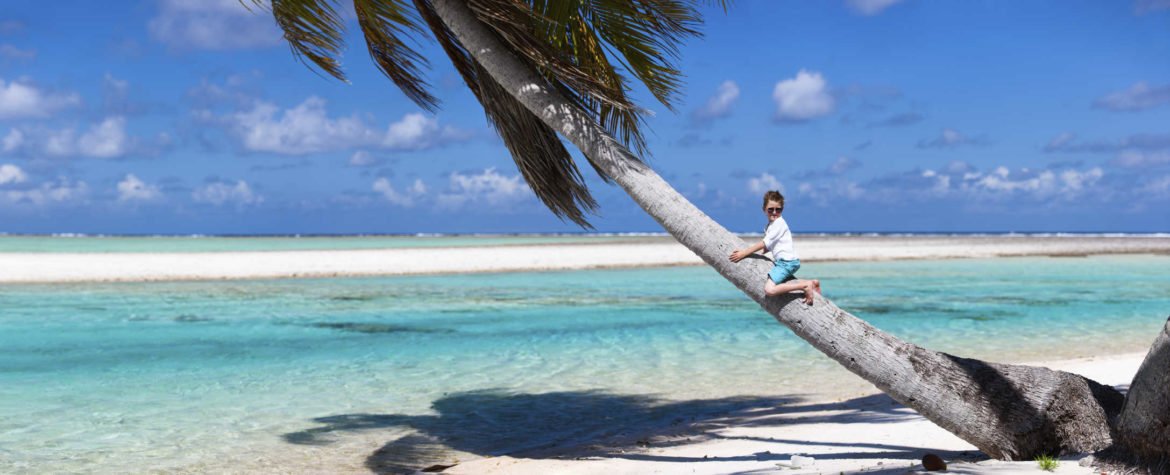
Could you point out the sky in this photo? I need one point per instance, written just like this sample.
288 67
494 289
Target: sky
193 117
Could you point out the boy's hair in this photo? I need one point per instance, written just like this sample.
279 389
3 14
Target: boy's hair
773 195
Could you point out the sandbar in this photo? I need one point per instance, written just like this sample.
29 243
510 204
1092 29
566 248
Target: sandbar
651 252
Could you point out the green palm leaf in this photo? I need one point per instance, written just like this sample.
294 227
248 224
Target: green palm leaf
384 23
313 31
539 154
583 48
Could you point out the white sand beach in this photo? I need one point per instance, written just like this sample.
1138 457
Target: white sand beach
871 434
132 267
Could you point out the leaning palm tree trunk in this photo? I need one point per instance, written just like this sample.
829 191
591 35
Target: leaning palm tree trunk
1008 411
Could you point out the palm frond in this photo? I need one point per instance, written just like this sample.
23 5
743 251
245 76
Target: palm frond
538 153
575 38
724 4
313 31
515 23
642 34
384 23
574 43
647 35
582 49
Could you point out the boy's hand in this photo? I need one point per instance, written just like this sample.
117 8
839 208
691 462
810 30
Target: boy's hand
739 255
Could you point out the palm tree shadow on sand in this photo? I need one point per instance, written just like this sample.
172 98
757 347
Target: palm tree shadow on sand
585 424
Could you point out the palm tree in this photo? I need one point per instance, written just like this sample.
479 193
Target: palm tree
546 67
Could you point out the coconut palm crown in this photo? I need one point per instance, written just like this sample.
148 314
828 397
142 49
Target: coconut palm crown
584 49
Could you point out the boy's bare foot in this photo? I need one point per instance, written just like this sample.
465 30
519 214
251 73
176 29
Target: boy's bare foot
809 288
817 284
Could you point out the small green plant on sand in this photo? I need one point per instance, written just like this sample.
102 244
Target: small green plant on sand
1047 463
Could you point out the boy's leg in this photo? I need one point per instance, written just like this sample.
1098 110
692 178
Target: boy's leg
773 289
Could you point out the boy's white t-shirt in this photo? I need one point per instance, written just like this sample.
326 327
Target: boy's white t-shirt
778 240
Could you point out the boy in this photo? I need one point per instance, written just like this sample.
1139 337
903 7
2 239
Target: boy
778 241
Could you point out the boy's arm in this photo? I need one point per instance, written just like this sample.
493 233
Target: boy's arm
747 251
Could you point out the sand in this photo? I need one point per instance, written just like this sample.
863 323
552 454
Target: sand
132 267
870 434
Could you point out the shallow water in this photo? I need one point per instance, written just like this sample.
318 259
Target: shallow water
202 376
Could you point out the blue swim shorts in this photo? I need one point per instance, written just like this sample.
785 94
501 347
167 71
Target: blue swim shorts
784 271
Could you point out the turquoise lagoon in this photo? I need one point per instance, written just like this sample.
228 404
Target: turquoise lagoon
377 374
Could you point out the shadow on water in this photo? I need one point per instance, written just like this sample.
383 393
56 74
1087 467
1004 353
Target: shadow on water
587 423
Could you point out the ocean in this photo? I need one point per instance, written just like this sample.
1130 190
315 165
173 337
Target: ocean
81 243
382 373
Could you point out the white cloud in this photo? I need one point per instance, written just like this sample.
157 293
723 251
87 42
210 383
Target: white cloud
870 7
60 143
1140 159
8 51
409 132
238 90
1138 97
11 174
12 141
803 97
362 158
842 165
942 183
307 128
1156 187
405 198
220 193
415 132
106 139
1068 143
1043 183
303 129
489 187
133 189
213 24
825 194
951 138
1060 141
117 98
962 182
21 100
764 182
48 193
1076 181
1000 180
719 105
115 87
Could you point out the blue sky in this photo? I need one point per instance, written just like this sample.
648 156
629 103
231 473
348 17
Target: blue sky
192 116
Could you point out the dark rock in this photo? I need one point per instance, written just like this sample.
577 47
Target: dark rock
933 463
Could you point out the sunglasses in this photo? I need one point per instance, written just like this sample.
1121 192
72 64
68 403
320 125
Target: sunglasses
774 210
